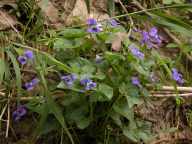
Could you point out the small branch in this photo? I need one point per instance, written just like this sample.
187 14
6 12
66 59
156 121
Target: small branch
2 94
180 89
171 88
172 95
161 92
8 118
2 113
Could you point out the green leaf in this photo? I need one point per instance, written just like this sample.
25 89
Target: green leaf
116 117
60 65
133 101
99 75
64 44
71 98
42 121
128 89
168 1
72 33
173 23
56 111
123 109
87 69
132 135
78 112
172 45
144 136
140 69
83 123
51 124
179 1
106 90
131 93
113 58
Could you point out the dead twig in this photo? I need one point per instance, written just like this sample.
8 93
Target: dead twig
181 89
2 94
8 117
172 95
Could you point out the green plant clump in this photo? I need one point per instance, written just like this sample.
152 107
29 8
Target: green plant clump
85 87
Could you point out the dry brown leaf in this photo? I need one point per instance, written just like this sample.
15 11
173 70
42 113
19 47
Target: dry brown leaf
51 14
97 11
79 10
62 12
117 41
6 20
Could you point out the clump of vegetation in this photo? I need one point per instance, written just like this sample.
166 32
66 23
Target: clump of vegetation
84 84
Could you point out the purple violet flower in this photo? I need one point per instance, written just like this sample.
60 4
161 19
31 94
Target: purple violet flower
73 76
19 113
95 29
85 81
150 38
30 85
69 79
91 21
153 32
155 38
28 54
135 81
22 60
113 23
136 52
35 81
88 83
177 76
145 37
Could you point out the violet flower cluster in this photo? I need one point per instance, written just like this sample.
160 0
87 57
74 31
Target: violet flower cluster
28 55
30 85
177 76
136 52
93 26
88 84
19 113
69 79
151 38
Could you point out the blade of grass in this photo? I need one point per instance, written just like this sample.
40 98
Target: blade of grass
17 71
